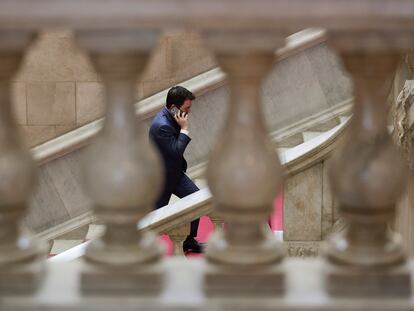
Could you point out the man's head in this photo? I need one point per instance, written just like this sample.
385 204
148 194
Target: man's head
181 98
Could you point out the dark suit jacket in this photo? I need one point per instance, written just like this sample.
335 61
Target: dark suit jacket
165 132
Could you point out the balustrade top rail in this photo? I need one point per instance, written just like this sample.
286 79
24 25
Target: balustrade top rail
184 291
229 14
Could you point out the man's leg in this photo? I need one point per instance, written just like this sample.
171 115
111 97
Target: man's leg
163 199
186 187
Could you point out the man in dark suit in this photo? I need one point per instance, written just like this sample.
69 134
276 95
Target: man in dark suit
169 131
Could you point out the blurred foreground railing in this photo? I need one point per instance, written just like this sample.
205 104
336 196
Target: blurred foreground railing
123 172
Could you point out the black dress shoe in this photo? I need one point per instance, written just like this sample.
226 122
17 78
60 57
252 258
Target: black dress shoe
191 245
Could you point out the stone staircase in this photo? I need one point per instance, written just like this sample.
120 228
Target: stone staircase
293 143
60 211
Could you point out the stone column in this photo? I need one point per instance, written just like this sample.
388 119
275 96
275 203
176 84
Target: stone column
218 223
122 172
244 173
177 236
367 177
21 260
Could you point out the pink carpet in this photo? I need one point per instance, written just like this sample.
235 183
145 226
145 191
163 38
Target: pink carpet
206 227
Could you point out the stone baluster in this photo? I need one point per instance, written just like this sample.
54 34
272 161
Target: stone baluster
367 177
21 260
217 221
177 236
122 172
244 173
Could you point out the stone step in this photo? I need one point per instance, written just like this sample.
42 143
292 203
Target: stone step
343 119
290 141
60 246
76 234
200 182
282 150
65 242
279 235
325 126
308 135
95 231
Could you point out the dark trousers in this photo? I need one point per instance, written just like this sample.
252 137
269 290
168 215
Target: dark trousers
184 187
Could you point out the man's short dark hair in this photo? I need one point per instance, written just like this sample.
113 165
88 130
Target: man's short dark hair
177 95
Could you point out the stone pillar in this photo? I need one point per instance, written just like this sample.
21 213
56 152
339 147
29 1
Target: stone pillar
244 173
21 260
217 221
122 172
367 177
177 236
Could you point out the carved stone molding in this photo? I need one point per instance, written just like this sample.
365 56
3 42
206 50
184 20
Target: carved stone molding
403 118
303 249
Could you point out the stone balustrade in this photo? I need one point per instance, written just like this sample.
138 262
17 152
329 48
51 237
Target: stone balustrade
122 171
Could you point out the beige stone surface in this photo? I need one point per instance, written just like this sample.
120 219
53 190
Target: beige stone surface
302 248
62 129
57 84
66 181
45 201
19 102
147 280
36 134
303 205
55 57
323 57
353 282
89 102
178 57
189 56
21 259
328 203
51 103
222 281
149 87
160 62
184 290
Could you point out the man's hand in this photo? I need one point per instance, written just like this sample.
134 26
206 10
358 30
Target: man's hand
182 120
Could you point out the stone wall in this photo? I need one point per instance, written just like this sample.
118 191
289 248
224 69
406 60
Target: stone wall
57 88
310 210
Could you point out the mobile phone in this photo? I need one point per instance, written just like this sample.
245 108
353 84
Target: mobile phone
174 111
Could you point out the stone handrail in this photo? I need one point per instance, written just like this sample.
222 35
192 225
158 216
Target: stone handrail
148 107
199 204
305 161
213 14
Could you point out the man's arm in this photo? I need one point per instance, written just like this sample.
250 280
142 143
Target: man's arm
170 143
